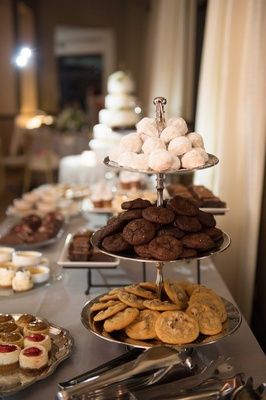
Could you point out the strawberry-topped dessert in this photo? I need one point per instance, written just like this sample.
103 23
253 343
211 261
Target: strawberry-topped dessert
9 358
38 338
33 358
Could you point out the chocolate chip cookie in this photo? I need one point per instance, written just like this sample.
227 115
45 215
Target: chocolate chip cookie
158 215
139 231
182 206
165 248
206 219
199 241
137 203
109 229
115 243
187 224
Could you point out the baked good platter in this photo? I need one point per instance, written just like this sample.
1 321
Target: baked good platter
212 160
229 327
36 245
6 292
98 260
130 257
62 347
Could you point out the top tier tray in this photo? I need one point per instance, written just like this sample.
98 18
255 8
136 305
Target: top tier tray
213 160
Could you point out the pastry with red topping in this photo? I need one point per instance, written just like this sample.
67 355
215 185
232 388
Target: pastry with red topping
9 358
33 359
38 338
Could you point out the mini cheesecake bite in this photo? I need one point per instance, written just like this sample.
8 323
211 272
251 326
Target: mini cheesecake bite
40 339
33 359
36 327
9 358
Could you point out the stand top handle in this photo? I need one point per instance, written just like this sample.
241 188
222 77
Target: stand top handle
159 103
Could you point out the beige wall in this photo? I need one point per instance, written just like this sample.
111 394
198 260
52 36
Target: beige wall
8 102
128 19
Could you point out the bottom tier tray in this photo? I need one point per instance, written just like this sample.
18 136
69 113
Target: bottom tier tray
219 249
230 326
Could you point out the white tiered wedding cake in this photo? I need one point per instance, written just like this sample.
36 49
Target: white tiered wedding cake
119 115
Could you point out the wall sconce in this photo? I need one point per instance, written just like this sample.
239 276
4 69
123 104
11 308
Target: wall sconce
23 57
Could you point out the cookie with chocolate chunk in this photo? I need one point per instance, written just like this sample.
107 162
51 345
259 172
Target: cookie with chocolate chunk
139 231
165 248
187 224
142 251
107 230
182 206
171 231
199 241
137 203
206 219
214 233
115 243
158 215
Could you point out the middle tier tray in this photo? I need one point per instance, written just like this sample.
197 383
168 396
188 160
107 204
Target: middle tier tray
225 244
212 160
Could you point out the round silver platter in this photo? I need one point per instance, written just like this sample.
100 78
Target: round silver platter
62 347
212 160
124 256
231 325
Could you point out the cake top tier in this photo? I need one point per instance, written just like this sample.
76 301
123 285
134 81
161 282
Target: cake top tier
120 82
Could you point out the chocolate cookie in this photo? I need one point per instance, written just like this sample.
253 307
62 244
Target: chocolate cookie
182 206
142 251
187 224
188 253
214 233
165 248
172 231
137 203
115 243
158 215
206 219
139 231
199 241
129 215
109 229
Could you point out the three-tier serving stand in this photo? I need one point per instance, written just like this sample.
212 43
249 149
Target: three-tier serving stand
234 317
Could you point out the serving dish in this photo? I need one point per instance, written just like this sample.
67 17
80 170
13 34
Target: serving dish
37 245
62 348
98 260
230 326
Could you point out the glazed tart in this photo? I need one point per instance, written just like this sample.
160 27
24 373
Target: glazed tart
9 358
6 318
33 359
12 338
40 339
8 327
25 319
36 327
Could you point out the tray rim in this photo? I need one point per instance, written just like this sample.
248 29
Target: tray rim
86 324
213 160
205 255
52 367
84 264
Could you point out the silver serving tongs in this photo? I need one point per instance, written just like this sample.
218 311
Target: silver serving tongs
158 358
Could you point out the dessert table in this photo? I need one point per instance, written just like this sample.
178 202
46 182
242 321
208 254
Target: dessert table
61 302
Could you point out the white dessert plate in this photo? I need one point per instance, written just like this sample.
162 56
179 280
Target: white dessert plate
98 260
215 210
62 347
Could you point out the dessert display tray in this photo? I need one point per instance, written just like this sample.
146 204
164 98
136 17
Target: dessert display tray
62 348
6 292
124 256
98 260
37 245
213 160
231 325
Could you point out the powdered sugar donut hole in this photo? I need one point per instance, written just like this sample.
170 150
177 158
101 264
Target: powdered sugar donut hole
127 159
160 160
169 133
152 144
195 139
141 162
148 127
179 146
131 142
192 159
179 123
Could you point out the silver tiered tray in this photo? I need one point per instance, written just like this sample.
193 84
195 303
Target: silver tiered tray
230 326
212 160
124 256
